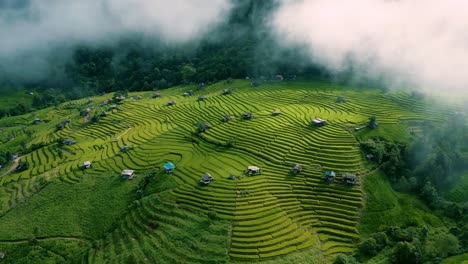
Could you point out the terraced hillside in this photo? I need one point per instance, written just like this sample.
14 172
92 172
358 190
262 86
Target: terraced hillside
266 215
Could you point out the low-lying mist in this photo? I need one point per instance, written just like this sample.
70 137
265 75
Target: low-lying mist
417 43
34 32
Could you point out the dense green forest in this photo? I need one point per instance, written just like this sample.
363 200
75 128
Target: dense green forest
239 48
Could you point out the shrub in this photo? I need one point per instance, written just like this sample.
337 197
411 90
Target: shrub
369 247
212 215
343 259
406 253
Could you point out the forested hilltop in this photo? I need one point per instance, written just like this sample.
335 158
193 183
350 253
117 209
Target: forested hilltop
241 47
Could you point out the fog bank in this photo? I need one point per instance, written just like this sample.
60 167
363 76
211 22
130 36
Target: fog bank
422 43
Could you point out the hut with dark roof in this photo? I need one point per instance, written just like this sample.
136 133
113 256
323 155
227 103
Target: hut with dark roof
349 179
247 115
340 99
296 169
318 122
329 176
206 179
226 118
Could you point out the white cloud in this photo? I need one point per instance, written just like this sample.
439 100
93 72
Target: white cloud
41 24
422 42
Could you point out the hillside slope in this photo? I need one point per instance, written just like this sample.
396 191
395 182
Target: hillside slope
249 217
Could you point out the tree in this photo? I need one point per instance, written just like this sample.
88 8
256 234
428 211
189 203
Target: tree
343 259
188 72
369 247
406 253
429 193
441 245
372 122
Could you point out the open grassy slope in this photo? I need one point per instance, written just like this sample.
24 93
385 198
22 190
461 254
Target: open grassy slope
259 217
386 207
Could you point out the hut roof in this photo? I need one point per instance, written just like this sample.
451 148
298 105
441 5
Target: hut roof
125 147
207 177
226 118
169 166
318 121
127 172
253 168
247 115
297 167
69 141
350 178
87 163
330 174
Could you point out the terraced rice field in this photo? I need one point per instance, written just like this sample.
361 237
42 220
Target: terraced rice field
271 214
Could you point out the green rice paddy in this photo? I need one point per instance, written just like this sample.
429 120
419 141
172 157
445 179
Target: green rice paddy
274 214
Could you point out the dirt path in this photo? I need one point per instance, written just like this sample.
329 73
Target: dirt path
13 166
128 129
372 171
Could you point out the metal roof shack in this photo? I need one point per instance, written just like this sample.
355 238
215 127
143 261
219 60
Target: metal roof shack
169 167
318 122
206 179
329 176
86 165
127 174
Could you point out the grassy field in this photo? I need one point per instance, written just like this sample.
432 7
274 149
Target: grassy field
275 216
10 97
460 259
386 207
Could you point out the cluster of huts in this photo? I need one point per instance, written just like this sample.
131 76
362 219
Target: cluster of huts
348 178
205 179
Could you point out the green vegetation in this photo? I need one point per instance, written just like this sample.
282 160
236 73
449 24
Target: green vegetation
272 216
460 259
386 207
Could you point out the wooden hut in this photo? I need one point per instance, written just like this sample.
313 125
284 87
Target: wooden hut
127 174
318 122
86 165
349 179
226 118
247 115
206 179
329 176
296 169
169 167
